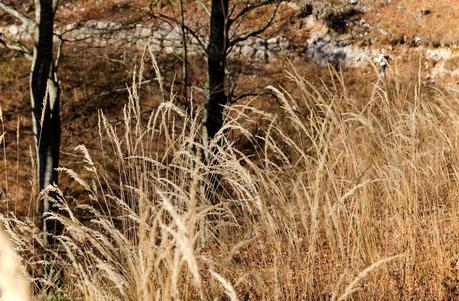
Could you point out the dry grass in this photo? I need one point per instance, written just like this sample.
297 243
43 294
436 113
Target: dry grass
405 19
339 199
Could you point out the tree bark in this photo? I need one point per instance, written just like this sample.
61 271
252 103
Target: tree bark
217 98
44 88
216 60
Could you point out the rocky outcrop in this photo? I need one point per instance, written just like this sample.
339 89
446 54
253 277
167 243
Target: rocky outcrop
165 38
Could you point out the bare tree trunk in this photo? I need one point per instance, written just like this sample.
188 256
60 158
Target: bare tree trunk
216 60
184 56
44 89
217 98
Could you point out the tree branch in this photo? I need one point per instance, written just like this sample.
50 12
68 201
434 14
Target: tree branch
248 8
11 11
17 46
260 30
193 33
58 52
235 98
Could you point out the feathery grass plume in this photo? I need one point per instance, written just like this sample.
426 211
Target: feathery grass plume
352 287
229 290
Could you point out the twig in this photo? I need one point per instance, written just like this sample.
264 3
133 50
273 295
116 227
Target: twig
17 46
260 30
117 90
16 14
193 33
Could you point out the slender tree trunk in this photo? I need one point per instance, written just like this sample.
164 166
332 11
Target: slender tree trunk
216 56
44 89
217 98
184 56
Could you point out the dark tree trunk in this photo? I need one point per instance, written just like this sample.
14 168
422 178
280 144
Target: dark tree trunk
216 55
45 105
217 98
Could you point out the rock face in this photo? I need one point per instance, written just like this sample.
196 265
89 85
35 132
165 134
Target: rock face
164 37
443 61
322 47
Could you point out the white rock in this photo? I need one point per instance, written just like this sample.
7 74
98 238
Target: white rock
101 25
260 55
155 47
145 32
309 22
247 51
169 49
140 44
157 35
114 26
71 26
13 30
91 23
165 27
173 36
273 40
284 44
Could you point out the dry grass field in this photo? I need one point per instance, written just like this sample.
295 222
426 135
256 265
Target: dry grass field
332 197
340 185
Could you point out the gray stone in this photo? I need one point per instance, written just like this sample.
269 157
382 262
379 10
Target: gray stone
140 44
91 23
247 42
157 35
270 57
165 27
101 25
260 55
173 36
169 49
155 47
145 32
70 26
115 26
310 22
13 30
284 44
273 40
247 51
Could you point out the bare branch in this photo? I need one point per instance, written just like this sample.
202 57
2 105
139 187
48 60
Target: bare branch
192 32
17 46
16 14
184 56
248 8
118 90
204 6
260 30
235 98
58 51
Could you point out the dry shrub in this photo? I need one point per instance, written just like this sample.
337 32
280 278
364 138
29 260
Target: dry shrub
341 199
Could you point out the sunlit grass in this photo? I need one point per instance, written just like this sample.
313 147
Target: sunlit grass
340 199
